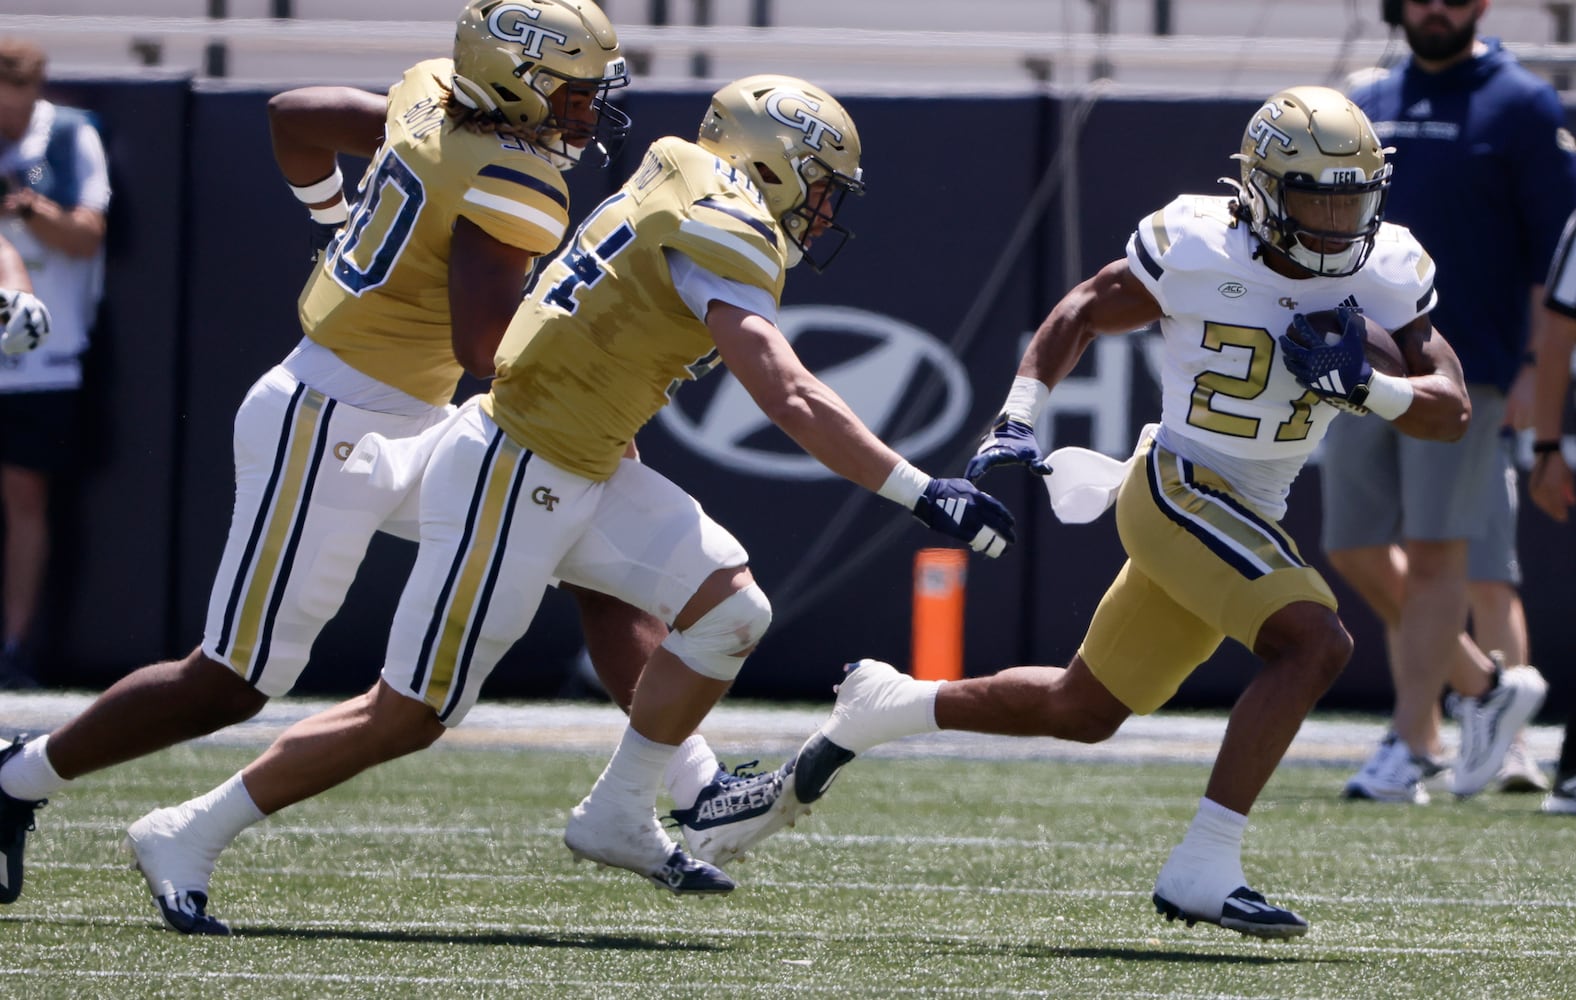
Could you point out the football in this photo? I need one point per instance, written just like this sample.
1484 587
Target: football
1379 347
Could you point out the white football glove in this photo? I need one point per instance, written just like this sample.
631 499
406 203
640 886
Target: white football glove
25 319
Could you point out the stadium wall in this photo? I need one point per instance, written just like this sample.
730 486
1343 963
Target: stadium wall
919 324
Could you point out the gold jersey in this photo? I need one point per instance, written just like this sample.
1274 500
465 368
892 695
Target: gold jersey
603 339
379 299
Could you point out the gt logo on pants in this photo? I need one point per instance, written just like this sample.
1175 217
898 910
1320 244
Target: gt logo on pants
542 496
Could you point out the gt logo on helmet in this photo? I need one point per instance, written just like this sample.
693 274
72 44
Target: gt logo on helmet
812 127
1266 133
508 23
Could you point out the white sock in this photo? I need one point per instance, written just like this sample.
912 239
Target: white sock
907 708
29 775
1216 830
635 770
218 817
690 770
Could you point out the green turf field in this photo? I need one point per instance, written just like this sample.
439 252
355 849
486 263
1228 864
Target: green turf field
443 876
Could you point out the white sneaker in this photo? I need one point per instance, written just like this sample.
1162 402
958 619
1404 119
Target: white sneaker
875 703
1192 889
1392 774
176 871
1519 772
638 844
1490 723
1562 800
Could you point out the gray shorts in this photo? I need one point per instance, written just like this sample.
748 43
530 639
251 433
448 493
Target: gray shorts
1380 487
1492 558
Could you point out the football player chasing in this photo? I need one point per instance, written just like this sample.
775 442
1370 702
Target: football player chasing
679 270
464 192
1243 406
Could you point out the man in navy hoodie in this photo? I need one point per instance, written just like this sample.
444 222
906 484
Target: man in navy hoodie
1489 181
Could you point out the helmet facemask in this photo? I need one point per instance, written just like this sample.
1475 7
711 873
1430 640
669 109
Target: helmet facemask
1327 228
565 136
821 204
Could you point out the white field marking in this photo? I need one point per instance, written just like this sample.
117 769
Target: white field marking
746 731
382 872
285 828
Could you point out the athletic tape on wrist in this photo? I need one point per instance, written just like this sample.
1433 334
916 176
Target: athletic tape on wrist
311 194
333 215
1389 396
904 485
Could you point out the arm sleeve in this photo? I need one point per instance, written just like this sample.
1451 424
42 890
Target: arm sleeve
1545 177
93 167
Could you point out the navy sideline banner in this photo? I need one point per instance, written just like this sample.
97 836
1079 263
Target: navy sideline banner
919 324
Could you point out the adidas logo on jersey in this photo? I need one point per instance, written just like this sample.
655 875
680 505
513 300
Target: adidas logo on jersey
1422 109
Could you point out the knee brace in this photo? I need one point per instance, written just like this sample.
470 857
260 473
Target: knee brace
715 646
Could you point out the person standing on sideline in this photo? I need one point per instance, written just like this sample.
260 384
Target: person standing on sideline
1407 523
1551 485
54 193
680 270
467 160
1243 405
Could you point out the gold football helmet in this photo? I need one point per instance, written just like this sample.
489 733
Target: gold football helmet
511 56
789 136
1314 179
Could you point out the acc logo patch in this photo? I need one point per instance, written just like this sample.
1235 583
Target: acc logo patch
1233 289
884 368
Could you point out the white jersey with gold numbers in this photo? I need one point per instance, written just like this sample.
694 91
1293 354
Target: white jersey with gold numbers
380 297
1227 399
603 339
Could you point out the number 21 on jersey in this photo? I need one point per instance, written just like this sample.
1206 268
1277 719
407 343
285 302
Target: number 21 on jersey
1209 384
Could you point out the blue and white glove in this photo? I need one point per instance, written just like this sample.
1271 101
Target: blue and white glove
1010 442
25 321
956 508
1337 371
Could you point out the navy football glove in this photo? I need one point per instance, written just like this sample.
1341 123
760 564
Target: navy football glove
955 508
1337 371
1010 442
322 236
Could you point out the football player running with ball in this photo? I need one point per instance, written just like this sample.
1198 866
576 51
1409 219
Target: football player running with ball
1243 405
678 271
464 193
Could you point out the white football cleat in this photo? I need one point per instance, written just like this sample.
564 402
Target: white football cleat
638 844
1194 889
1392 774
176 873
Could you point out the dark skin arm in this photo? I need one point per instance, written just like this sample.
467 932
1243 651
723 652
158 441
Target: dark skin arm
486 280
1440 408
1115 301
311 125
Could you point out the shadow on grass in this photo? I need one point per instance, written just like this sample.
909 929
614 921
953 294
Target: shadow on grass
590 942
1048 951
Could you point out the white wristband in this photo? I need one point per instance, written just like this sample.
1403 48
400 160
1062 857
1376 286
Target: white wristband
904 485
333 215
1025 399
311 194
1389 396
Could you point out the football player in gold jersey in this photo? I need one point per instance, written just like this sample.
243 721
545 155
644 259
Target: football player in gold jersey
679 270
467 156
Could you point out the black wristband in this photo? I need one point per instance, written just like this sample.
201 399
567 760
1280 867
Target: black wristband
1546 447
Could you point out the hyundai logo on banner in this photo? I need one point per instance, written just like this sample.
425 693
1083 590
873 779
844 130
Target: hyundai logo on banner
882 361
